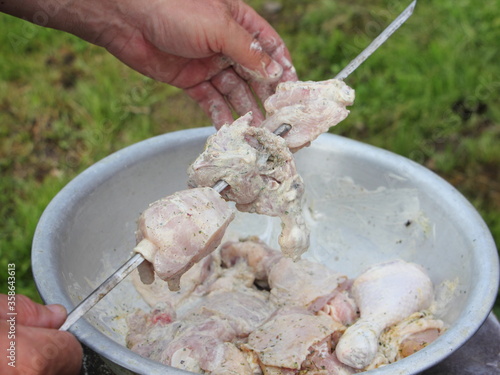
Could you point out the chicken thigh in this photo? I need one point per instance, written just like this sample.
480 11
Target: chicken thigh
177 231
262 177
284 341
406 337
302 283
385 294
311 108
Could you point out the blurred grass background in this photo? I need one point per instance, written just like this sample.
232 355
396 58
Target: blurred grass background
431 93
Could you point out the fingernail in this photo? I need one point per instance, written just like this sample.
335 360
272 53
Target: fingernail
274 70
57 309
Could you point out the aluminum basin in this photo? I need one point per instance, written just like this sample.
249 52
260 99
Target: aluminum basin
366 205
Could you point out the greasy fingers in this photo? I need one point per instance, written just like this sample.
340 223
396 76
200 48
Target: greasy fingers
264 61
33 314
238 94
212 102
194 44
243 49
257 47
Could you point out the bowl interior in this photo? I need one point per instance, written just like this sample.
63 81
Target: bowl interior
365 205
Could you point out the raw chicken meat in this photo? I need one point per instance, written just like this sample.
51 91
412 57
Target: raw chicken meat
233 362
177 231
311 108
260 170
258 165
284 341
253 252
322 360
195 332
252 311
248 309
302 283
244 309
406 337
197 343
149 333
342 308
385 294
262 177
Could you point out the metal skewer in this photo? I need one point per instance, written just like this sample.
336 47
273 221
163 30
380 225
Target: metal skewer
377 42
102 291
130 265
137 259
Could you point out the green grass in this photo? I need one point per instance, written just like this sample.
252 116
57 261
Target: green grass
431 93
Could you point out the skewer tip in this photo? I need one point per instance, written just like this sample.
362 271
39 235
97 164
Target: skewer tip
412 6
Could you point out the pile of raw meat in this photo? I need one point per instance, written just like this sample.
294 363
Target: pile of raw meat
248 309
243 308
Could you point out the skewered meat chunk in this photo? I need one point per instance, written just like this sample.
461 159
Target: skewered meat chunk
230 157
202 273
385 294
311 108
262 177
177 231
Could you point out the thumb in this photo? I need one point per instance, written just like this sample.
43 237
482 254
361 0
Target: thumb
246 51
30 313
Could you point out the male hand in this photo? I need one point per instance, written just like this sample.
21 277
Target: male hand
34 345
221 52
217 50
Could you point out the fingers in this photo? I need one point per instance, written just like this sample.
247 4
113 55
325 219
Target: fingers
33 314
40 351
260 54
225 91
213 36
238 93
249 54
212 102
240 44
266 44
36 348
